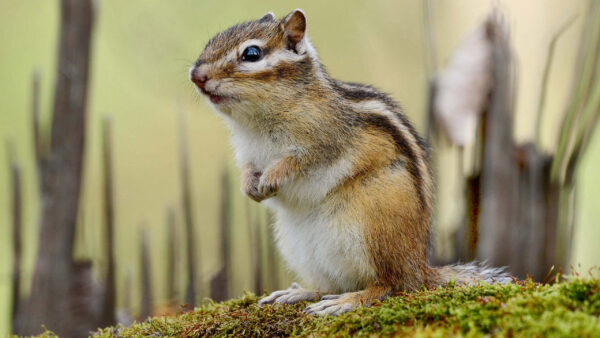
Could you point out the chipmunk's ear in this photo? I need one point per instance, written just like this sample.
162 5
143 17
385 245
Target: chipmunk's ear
269 17
294 27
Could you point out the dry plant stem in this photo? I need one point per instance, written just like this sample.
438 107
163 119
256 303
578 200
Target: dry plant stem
590 116
56 276
220 282
108 311
255 246
127 290
272 257
146 299
544 84
38 144
17 221
499 171
173 256
259 283
186 186
431 50
579 123
566 218
586 65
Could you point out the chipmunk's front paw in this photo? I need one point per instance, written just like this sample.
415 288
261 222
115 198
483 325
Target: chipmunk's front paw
250 186
291 295
269 184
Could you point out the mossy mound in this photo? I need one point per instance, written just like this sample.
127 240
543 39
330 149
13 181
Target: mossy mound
569 308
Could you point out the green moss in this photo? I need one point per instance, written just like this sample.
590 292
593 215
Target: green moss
568 308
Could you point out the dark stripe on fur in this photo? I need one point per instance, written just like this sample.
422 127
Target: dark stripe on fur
359 92
402 146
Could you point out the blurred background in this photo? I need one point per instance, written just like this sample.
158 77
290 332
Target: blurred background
172 188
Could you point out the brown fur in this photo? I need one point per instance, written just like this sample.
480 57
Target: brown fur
389 192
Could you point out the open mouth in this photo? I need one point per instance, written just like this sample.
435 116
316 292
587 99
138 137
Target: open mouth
215 99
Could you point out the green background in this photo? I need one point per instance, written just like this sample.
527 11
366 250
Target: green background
141 52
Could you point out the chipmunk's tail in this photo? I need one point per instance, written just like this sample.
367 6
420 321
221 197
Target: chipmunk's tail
472 273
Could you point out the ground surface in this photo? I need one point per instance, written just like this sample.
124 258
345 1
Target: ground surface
568 308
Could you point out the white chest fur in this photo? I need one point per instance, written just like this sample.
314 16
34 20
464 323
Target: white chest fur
307 189
253 148
326 251
316 243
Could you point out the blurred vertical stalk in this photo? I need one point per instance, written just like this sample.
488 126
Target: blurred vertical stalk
56 276
431 66
172 256
17 222
256 246
188 215
584 106
272 259
579 123
521 201
124 313
220 282
145 275
38 144
430 42
545 77
516 200
16 194
108 312
499 172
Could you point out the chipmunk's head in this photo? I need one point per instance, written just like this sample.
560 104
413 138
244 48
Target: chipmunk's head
257 65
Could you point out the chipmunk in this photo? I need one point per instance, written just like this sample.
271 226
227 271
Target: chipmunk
343 170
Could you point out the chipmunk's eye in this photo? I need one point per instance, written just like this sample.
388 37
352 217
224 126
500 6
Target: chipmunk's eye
252 54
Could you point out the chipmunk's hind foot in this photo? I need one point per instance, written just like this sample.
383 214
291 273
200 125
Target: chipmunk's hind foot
292 295
346 302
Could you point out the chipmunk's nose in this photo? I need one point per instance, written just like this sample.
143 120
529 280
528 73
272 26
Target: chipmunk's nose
198 77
